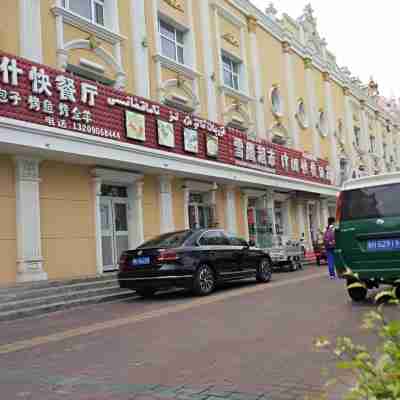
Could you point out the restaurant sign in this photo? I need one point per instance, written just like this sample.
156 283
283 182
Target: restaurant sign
42 95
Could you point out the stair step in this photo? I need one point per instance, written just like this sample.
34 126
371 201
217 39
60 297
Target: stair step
56 297
33 293
32 286
61 305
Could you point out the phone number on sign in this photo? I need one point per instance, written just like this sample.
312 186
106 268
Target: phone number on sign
94 130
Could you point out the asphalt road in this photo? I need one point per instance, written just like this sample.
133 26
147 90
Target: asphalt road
246 341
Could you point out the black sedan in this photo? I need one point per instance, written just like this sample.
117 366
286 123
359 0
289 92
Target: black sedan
192 259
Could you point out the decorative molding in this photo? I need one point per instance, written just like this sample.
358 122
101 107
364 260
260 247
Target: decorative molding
252 23
243 97
77 21
230 38
175 4
27 169
185 70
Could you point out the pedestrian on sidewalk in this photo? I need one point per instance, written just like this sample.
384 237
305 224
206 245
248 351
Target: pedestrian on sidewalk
329 243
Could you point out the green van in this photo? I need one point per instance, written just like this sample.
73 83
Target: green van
368 234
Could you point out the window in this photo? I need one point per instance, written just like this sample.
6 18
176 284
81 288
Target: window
231 70
276 101
235 241
357 132
214 238
200 211
384 151
172 42
167 240
374 202
92 10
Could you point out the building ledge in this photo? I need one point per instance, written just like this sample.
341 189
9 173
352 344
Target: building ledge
80 22
185 70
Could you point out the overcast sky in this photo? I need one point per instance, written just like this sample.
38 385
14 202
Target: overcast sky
362 34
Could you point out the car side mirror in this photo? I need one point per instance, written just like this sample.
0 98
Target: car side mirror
252 243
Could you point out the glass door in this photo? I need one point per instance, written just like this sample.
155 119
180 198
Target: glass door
114 230
107 233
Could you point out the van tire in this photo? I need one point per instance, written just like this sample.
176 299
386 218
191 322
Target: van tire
397 292
358 294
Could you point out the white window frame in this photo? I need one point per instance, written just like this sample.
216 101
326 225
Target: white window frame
93 17
238 75
175 41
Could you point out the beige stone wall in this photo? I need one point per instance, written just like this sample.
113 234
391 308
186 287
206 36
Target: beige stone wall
8 239
67 220
151 207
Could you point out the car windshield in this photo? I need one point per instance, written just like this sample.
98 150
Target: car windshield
167 240
374 202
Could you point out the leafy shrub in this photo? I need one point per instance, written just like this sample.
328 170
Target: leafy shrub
376 374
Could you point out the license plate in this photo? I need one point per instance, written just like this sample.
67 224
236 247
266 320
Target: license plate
141 261
383 245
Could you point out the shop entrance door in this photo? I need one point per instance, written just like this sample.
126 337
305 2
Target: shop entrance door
114 230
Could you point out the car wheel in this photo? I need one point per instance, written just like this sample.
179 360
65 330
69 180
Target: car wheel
264 271
146 293
204 281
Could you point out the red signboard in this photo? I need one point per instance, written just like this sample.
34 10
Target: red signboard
42 95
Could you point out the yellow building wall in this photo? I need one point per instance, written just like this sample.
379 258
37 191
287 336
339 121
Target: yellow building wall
197 25
151 207
272 72
49 34
294 221
240 221
321 105
301 93
9 26
178 202
67 220
179 15
8 228
230 37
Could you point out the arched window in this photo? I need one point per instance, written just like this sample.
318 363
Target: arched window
323 124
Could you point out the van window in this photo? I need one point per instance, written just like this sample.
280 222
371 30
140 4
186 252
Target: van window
373 202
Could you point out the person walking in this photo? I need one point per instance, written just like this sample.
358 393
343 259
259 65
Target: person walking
329 243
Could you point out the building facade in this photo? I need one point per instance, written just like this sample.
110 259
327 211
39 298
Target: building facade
121 120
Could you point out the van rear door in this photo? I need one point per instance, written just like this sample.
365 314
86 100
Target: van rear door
369 233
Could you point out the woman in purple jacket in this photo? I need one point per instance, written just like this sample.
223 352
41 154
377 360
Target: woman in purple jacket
329 243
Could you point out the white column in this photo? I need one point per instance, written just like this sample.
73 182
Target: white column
287 226
96 184
271 209
379 141
135 214
29 246
349 127
140 43
301 218
210 65
230 211
324 212
312 105
291 93
30 30
245 205
166 212
365 136
258 92
334 162
318 216
186 199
